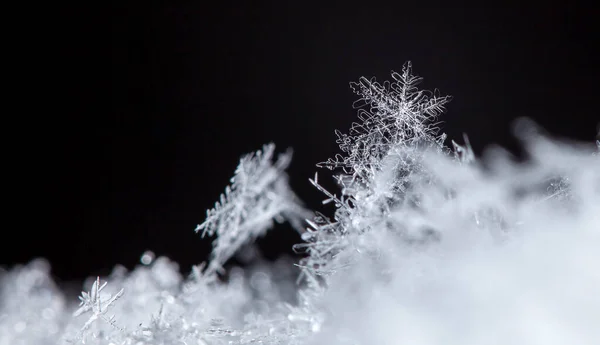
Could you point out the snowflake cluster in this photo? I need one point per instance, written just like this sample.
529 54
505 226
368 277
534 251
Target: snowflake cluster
425 244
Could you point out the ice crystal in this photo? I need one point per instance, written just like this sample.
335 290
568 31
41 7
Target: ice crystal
93 302
381 156
259 194
391 114
424 244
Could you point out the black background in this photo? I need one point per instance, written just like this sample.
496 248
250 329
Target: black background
138 113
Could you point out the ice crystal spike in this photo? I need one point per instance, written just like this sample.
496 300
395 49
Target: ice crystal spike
464 153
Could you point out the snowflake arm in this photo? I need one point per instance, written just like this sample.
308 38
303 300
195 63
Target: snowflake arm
93 301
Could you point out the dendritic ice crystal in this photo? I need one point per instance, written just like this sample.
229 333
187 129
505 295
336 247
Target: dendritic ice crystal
422 243
258 195
97 306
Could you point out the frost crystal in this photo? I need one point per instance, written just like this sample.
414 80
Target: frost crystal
259 194
425 245
391 114
381 157
464 153
94 302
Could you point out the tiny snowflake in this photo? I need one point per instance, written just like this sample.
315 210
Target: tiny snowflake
98 305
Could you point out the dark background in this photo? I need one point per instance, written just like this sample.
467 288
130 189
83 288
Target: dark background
143 110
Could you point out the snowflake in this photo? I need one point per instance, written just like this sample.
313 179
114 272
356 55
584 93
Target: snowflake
94 302
391 114
258 195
